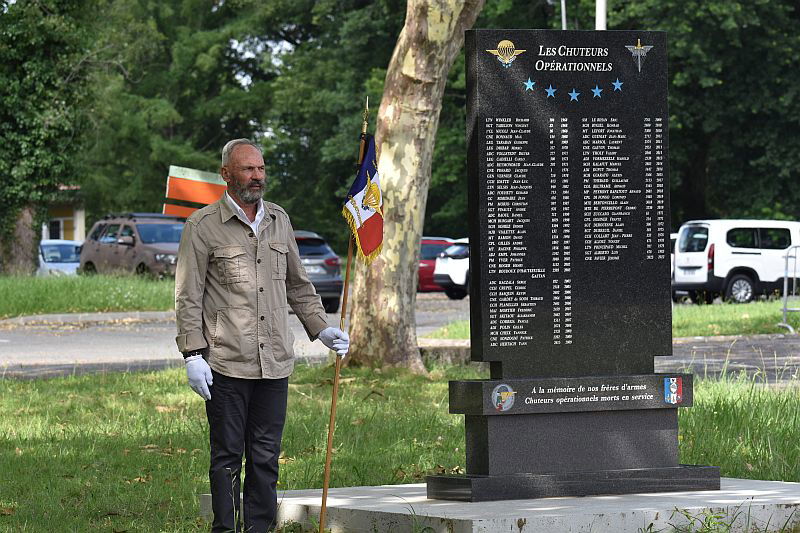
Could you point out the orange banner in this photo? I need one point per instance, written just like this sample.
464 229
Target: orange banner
193 191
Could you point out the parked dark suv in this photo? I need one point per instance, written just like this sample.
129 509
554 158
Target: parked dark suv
322 266
144 243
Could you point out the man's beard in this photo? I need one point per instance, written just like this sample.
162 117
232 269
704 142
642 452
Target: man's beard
244 193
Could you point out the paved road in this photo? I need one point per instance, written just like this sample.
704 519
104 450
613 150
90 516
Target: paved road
147 341
78 344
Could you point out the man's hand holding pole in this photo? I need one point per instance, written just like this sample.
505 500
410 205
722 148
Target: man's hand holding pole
336 340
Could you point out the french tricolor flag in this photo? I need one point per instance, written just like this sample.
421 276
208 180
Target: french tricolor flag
363 208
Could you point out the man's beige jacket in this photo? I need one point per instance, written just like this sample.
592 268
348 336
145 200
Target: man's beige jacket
232 289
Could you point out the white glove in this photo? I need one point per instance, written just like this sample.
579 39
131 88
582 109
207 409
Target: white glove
336 340
199 374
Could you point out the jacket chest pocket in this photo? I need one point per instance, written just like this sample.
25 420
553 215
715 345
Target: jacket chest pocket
279 251
231 264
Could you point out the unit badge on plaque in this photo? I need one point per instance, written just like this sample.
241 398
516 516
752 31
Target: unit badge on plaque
638 52
503 397
506 53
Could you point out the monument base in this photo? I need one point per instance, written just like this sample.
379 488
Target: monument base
740 506
476 488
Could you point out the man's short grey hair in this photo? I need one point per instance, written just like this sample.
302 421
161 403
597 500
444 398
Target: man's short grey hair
230 145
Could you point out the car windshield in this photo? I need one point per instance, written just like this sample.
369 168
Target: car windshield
151 233
61 253
313 246
430 251
457 251
693 239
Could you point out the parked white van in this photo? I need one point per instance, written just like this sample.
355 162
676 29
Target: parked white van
452 270
738 259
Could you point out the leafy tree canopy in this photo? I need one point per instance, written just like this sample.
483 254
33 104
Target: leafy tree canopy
45 48
180 78
175 83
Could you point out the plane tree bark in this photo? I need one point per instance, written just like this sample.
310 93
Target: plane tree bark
19 249
383 329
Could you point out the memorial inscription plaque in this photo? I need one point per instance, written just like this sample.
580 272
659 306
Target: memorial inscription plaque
569 270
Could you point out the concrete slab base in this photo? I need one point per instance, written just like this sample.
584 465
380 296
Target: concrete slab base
742 505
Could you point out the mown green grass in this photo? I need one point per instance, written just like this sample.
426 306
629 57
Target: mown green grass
695 320
26 295
129 452
731 319
748 429
454 330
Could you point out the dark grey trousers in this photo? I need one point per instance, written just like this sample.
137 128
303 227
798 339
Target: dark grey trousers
245 417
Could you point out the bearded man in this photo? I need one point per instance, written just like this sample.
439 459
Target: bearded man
238 266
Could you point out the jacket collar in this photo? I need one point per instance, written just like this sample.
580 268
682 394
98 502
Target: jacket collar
225 210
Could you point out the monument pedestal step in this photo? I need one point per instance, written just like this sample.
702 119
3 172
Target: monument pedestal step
472 488
744 504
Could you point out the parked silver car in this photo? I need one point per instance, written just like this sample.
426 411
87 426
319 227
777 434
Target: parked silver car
322 266
58 257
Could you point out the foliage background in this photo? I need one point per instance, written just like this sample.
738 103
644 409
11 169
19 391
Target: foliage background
108 93
44 57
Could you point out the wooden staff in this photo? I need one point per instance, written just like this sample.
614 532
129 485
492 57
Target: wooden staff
338 366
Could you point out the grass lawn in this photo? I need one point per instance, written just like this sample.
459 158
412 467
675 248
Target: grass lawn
749 430
695 320
731 319
25 295
129 452
454 330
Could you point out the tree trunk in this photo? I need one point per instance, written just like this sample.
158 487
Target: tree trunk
383 330
19 254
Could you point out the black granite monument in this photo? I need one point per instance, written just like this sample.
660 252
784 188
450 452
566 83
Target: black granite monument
569 270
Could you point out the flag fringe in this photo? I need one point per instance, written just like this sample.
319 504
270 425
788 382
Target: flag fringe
367 259
371 257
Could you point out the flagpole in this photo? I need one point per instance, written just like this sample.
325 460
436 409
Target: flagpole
338 366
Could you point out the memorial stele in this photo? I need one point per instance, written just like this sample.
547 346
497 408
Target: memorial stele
569 270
